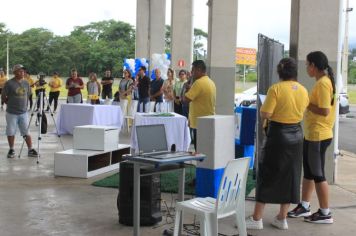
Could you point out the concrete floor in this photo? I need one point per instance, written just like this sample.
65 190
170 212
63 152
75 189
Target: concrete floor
34 202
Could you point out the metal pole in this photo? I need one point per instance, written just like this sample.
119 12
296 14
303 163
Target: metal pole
345 50
338 80
244 76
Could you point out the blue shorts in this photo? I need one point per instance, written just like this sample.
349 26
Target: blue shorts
13 120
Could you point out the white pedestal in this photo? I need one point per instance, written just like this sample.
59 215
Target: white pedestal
95 137
88 163
216 139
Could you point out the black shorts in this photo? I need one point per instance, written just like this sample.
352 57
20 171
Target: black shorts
314 159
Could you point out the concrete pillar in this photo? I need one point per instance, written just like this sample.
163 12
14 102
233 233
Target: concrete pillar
150 27
221 52
182 33
314 27
142 29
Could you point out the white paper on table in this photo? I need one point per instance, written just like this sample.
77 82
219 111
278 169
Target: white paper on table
262 98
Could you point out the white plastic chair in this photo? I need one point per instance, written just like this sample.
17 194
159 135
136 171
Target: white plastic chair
130 114
230 200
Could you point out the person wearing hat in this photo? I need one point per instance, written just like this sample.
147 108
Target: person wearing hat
15 94
3 80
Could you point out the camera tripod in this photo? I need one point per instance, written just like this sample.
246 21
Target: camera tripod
41 97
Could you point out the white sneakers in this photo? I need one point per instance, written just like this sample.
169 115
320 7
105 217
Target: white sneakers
258 224
253 224
280 224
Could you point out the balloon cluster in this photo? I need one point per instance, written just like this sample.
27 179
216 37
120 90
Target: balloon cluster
159 61
133 65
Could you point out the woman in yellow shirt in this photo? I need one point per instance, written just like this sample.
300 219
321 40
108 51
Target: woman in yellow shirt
318 125
279 170
55 84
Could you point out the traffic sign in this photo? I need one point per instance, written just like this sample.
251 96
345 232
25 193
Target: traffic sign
181 63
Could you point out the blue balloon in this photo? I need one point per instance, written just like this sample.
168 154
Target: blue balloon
169 56
153 75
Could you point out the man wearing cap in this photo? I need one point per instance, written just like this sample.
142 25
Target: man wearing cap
15 94
3 80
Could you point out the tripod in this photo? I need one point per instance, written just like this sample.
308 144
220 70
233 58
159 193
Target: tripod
40 98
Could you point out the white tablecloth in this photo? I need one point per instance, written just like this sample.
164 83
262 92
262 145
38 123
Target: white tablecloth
72 115
176 126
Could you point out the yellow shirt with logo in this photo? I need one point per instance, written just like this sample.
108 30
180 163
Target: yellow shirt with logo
318 127
3 80
286 101
55 82
203 99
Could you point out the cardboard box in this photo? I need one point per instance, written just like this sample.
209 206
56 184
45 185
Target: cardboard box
95 137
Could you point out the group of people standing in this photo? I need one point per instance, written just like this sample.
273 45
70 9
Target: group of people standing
285 151
161 92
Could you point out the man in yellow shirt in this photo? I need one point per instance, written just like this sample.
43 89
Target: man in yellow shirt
3 80
55 84
201 95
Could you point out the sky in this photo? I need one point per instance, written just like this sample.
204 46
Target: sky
270 18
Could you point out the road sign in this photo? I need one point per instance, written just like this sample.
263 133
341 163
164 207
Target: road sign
181 63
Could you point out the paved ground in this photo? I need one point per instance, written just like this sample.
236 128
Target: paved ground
34 202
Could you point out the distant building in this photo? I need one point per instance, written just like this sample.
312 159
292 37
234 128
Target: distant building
354 59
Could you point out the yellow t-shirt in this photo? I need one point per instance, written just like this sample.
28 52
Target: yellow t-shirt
203 98
3 80
55 81
317 127
286 101
30 82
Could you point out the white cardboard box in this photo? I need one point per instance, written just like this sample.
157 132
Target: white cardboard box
95 137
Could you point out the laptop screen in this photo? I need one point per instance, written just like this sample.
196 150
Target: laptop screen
151 138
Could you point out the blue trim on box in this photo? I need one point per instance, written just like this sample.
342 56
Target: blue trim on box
208 182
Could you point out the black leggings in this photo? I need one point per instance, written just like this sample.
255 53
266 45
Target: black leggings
314 159
53 96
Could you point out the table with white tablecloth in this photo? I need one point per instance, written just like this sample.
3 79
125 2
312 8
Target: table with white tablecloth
177 130
72 115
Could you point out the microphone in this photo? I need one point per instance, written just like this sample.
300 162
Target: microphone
173 147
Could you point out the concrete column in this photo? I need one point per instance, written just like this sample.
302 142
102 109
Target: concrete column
142 28
221 52
314 27
182 33
150 27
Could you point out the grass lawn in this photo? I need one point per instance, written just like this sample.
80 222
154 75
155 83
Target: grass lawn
352 96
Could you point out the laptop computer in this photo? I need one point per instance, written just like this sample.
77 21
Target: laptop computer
152 142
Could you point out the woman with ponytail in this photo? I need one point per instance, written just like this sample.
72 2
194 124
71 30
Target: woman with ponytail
318 124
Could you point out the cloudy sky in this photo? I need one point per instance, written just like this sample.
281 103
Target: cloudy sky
60 16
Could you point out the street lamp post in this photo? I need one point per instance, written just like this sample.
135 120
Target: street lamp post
345 50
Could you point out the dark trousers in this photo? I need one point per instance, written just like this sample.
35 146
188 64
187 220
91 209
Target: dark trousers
178 108
107 94
53 96
194 131
142 101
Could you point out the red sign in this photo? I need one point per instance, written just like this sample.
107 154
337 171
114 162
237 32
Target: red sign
181 63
